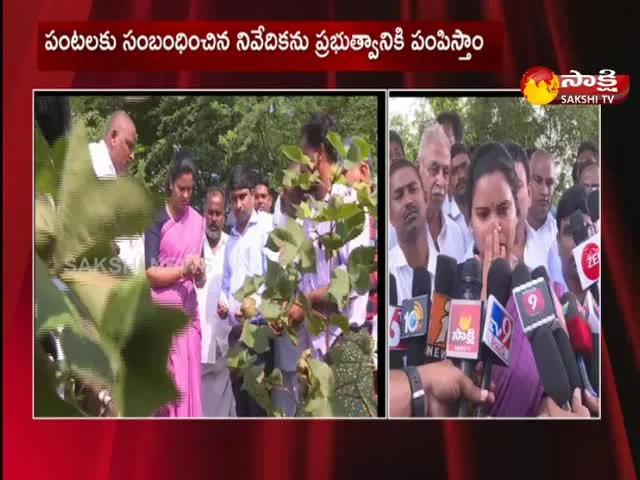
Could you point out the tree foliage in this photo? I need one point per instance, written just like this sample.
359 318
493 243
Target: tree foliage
223 131
343 385
557 128
114 338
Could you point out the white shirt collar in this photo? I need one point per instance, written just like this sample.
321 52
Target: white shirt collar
102 163
208 251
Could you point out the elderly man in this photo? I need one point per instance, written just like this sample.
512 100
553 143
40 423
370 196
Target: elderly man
112 157
434 165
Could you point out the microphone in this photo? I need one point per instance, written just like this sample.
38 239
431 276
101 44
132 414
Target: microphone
498 326
593 318
415 316
445 282
580 337
586 254
593 201
535 309
463 339
558 329
397 348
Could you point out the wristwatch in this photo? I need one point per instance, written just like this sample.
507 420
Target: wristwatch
417 392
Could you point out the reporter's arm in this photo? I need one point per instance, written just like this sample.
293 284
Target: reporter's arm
399 394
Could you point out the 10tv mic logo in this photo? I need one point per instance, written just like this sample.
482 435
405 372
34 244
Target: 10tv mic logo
542 86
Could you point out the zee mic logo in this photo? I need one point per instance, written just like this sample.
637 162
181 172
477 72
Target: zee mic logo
542 86
587 258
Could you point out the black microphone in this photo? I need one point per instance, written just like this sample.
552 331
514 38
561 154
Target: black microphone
535 308
580 234
497 327
415 316
560 335
465 319
593 201
443 292
397 348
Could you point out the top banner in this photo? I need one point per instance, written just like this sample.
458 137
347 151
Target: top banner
271 46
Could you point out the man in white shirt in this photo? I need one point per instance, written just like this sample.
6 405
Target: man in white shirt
541 228
408 215
244 256
217 393
458 210
112 157
434 165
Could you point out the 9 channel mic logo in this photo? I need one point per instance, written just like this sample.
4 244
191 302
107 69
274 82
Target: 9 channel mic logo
542 86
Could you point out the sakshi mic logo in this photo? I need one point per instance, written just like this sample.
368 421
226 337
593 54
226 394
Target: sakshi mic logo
542 86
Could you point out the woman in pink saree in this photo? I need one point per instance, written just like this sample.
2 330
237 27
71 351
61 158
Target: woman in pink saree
174 266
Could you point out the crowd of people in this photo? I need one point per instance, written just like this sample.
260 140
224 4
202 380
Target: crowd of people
198 262
488 201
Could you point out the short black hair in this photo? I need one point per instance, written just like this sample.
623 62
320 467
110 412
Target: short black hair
315 133
182 163
454 119
529 151
518 155
260 180
404 163
490 158
241 178
573 199
394 137
588 146
215 191
458 148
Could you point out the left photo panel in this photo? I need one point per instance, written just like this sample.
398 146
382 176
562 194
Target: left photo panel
207 254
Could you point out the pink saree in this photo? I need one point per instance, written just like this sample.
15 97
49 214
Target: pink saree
178 238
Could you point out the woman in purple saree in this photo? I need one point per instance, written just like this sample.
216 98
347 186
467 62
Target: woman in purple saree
174 266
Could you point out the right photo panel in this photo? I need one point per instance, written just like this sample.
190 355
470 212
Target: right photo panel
494 257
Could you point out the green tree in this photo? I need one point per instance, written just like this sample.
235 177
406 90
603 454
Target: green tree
557 128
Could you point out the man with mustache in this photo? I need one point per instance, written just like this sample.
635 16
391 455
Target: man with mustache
408 215
541 226
217 393
434 165
458 210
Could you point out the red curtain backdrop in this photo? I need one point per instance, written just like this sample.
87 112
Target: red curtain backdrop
537 33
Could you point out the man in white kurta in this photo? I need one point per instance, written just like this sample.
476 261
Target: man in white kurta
217 392
111 157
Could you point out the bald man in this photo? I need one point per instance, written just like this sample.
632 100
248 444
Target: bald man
112 157
114 154
434 165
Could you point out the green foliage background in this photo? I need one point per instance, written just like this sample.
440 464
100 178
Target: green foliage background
223 131
557 128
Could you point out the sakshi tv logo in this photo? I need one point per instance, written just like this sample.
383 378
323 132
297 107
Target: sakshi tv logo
542 86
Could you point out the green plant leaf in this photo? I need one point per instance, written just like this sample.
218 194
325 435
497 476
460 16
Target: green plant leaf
85 356
249 287
270 310
339 287
340 321
293 153
253 383
240 358
307 257
363 146
354 157
360 266
91 289
316 324
320 389
51 309
336 142
256 337
143 384
46 401
45 226
292 334
304 211
352 370
275 378
49 163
